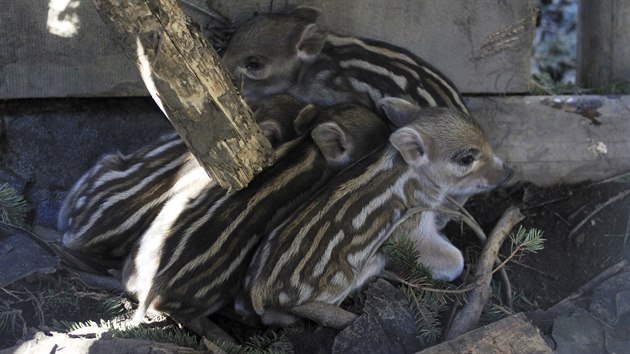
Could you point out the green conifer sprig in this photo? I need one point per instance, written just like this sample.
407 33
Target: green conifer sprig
426 305
13 207
121 329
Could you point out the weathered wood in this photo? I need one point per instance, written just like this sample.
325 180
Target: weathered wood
547 140
603 42
188 81
483 46
511 335
61 48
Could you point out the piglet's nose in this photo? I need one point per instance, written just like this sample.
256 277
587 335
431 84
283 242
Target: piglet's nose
508 172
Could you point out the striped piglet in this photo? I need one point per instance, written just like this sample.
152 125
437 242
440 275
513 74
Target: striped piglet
115 201
331 247
199 267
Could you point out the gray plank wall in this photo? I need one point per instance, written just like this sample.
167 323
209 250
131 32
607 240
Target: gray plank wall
603 54
60 48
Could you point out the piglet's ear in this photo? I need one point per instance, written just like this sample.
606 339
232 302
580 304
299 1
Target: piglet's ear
307 13
311 42
332 141
272 131
306 119
413 145
399 111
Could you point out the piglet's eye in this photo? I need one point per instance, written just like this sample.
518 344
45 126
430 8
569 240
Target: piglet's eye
467 160
253 63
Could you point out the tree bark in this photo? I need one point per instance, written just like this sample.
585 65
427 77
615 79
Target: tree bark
187 80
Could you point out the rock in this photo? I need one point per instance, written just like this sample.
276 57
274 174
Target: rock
611 299
62 343
578 333
386 326
46 204
611 303
48 145
511 335
20 257
52 144
12 180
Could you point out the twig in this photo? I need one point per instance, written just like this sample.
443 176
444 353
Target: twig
472 223
562 219
467 218
39 312
394 277
71 262
469 315
586 288
507 285
211 347
577 211
534 269
325 314
96 281
625 238
547 202
598 209
609 179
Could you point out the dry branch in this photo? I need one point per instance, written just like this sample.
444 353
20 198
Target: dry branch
325 314
598 209
469 315
186 78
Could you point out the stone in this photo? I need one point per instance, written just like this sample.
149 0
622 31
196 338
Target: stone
48 146
20 257
611 299
611 303
578 333
386 326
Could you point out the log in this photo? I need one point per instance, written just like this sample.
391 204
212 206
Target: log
513 334
187 80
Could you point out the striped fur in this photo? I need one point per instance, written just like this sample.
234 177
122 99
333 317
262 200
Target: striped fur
293 53
205 252
116 200
113 202
331 246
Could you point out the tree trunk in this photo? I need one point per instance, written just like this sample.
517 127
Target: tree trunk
187 80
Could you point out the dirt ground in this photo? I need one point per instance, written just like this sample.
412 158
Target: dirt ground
570 257
568 260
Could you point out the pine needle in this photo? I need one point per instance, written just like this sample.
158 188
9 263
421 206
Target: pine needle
13 207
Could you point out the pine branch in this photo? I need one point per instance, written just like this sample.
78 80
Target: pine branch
13 207
523 241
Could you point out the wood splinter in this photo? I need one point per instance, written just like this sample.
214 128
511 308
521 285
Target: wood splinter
187 80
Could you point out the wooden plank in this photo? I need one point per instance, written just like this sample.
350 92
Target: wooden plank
511 335
60 48
187 80
603 42
549 145
483 46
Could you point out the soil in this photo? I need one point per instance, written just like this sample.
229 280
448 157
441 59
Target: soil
568 260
